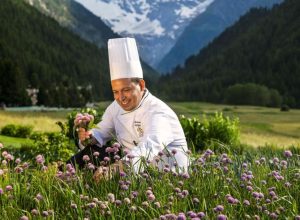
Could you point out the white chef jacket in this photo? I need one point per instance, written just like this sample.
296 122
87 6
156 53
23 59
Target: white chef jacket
145 131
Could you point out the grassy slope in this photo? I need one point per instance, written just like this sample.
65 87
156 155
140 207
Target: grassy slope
259 125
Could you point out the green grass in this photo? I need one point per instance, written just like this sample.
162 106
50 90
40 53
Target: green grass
13 141
259 125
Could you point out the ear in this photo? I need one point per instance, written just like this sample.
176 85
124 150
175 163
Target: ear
142 84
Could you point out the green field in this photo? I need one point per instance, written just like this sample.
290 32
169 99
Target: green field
259 125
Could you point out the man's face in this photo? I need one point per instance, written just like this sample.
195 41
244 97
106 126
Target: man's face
128 94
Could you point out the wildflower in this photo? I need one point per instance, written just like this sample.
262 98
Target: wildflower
1 145
273 215
86 158
34 212
39 159
116 157
287 153
246 202
91 166
145 204
9 157
219 208
96 154
181 216
151 197
287 184
91 205
196 200
1 191
1 172
73 206
134 194
111 197
297 217
127 200
275 160
4 162
39 197
9 188
201 215
18 160
221 217
45 213
24 217
157 204
133 208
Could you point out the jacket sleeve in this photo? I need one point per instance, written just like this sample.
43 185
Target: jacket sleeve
157 135
105 129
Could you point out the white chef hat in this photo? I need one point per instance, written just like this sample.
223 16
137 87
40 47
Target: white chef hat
124 59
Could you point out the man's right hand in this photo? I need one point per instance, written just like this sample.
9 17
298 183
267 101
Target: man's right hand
82 134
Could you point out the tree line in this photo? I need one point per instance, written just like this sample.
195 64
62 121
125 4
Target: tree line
262 49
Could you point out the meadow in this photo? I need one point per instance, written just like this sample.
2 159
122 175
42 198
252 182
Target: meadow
258 125
253 180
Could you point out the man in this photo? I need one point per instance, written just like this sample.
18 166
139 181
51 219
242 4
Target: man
144 125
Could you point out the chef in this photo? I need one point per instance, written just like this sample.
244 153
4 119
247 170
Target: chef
146 128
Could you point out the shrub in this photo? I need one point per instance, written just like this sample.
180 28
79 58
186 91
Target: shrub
216 130
284 108
53 145
9 130
22 131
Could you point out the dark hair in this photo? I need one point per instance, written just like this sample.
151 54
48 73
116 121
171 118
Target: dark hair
136 80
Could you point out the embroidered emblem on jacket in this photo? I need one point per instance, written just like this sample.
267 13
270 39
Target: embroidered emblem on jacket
137 125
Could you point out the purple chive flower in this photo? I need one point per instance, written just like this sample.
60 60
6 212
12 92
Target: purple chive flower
287 153
297 217
1 145
1 172
116 157
91 205
219 208
24 217
39 159
246 202
196 200
1 191
127 201
118 202
34 212
157 204
275 160
181 216
73 206
111 197
45 213
151 197
18 160
201 214
174 151
273 215
133 208
86 158
249 188
39 197
287 184
96 154
134 194
9 188
145 204
130 156
222 217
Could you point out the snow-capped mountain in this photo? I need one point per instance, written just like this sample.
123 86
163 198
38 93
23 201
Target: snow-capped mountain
156 24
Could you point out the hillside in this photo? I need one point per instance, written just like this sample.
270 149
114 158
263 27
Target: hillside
262 48
36 52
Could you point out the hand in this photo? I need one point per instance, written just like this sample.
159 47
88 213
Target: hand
83 134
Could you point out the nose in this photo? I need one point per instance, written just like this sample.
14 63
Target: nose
121 97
